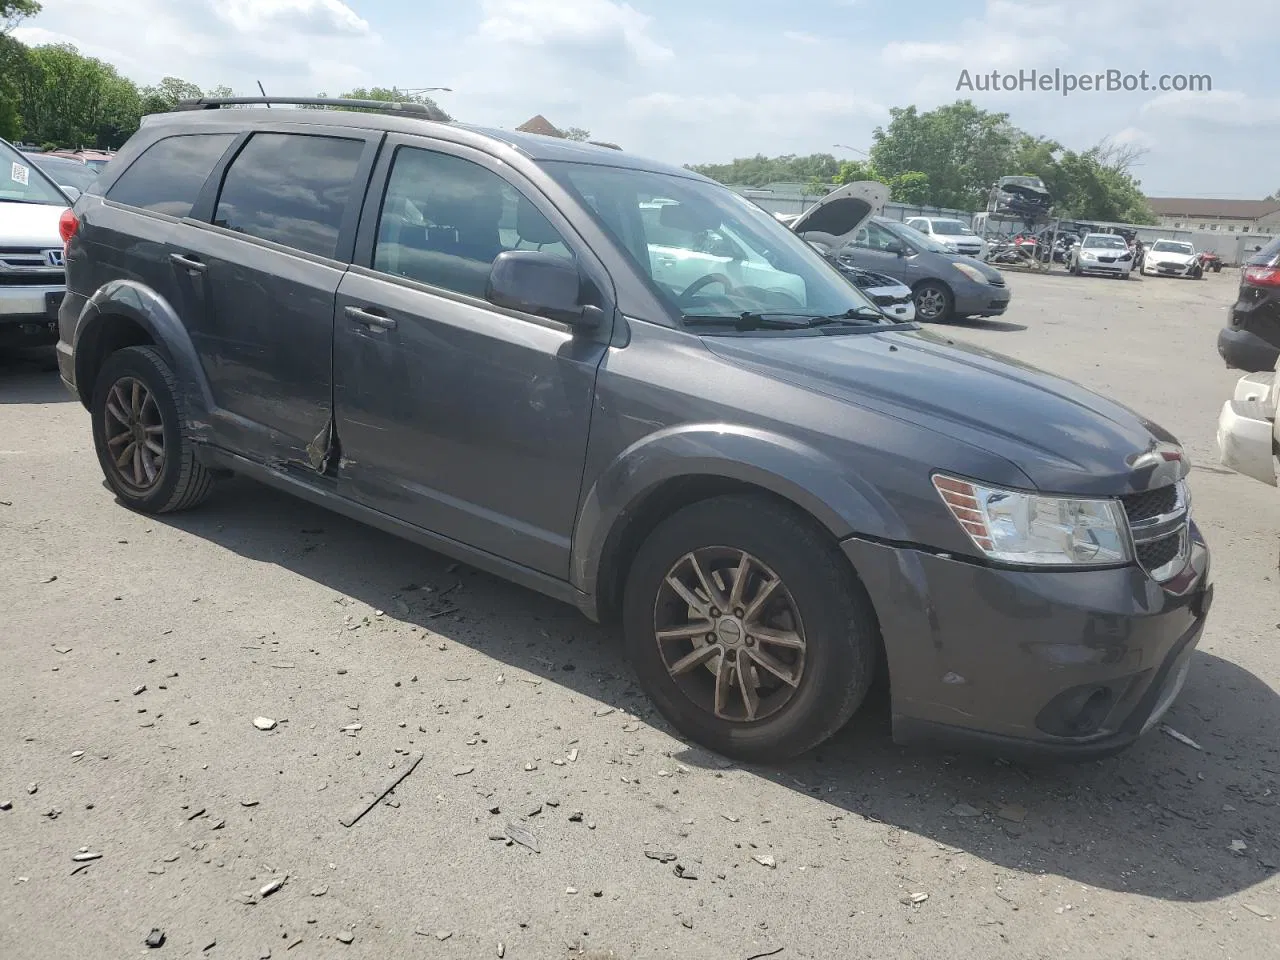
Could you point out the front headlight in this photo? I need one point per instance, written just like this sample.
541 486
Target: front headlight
970 271
1085 255
1012 526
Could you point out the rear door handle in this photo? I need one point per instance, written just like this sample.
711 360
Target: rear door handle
374 321
188 263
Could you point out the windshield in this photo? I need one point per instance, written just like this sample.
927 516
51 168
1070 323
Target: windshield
66 173
708 251
1033 182
1171 246
1106 241
951 228
912 236
21 182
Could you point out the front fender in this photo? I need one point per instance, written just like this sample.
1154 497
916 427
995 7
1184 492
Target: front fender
150 311
829 491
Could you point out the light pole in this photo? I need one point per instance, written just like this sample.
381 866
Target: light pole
844 146
415 91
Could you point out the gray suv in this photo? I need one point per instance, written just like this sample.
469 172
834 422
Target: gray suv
623 385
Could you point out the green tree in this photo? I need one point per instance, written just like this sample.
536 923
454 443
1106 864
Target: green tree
12 60
959 148
760 170
162 97
67 98
393 95
13 12
1275 197
577 133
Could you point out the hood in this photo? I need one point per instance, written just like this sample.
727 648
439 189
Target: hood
30 225
1168 256
1064 438
987 270
1025 191
835 218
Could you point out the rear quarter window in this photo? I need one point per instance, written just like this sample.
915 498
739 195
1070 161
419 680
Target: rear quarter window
168 176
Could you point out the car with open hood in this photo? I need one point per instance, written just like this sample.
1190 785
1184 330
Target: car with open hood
1171 258
31 252
625 386
846 224
1020 196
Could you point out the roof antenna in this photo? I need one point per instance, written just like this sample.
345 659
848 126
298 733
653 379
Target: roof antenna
263 92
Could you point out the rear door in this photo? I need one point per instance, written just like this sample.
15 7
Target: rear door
259 283
452 414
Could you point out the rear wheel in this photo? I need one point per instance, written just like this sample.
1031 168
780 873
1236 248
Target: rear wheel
934 302
748 628
137 432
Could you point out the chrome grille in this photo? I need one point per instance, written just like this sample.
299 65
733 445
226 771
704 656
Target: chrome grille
1159 524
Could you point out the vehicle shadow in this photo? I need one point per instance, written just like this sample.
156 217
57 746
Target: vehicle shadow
978 323
30 376
1159 820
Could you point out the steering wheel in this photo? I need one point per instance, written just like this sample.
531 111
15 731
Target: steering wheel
696 287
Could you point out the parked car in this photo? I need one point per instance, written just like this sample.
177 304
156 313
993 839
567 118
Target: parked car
955 235
97 159
769 485
1102 253
1171 258
71 176
1020 196
31 268
946 285
1251 339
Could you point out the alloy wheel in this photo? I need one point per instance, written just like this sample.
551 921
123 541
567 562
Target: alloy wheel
931 303
134 431
730 634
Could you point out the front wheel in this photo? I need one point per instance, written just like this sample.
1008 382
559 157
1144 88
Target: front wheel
748 628
137 432
934 302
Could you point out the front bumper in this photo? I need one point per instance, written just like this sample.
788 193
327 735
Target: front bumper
1116 269
981 300
29 314
1247 431
1168 269
1074 664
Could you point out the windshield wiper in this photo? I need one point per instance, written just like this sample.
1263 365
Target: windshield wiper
755 320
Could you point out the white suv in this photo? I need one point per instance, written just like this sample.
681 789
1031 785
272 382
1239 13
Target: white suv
954 234
32 277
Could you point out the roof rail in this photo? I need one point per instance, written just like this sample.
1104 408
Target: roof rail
382 106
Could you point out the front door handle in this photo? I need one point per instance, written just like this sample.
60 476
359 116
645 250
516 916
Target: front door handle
374 321
188 263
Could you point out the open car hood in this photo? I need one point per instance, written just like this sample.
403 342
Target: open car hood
834 219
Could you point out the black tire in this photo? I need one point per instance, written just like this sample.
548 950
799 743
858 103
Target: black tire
835 615
181 481
927 289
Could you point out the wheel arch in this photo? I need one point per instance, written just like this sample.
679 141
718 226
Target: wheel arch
674 468
126 313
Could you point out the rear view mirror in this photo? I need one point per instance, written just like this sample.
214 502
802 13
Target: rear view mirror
542 284
682 216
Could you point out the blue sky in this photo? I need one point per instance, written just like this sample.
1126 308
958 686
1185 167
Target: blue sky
705 80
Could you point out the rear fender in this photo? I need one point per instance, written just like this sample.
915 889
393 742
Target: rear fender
151 312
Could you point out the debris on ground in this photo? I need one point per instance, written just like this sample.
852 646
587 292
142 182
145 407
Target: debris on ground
155 938
660 856
6 804
363 807
1258 911
264 723
346 936
84 856
1181 737
684 873
32 787
1238 846
462 771
965 810
270 888
765 860
523 836
1012 812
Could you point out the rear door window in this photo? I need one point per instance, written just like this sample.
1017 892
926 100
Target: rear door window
291 189
168 175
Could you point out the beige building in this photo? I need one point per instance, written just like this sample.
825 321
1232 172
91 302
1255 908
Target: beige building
1206 215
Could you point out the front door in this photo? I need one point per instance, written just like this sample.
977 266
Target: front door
260 287
875 248
451 414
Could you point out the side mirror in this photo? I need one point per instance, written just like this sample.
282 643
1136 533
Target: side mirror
73 193
542 284
896 247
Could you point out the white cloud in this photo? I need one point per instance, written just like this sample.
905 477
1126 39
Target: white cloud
593 23
797 36
308 16
1225 108
1133 137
